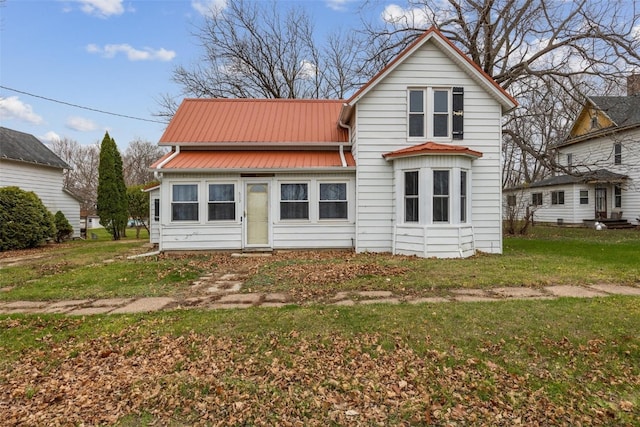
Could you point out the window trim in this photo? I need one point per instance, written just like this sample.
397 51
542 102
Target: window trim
537 199
415 197
156 209
345 201
307 201
464 190
557 197
228 202
617 153
429 113
584 199
190 202
446 197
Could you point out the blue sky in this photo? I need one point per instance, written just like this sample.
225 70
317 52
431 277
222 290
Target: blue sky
111 55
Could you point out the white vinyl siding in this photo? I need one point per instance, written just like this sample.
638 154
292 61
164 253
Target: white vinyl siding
382 127
47 183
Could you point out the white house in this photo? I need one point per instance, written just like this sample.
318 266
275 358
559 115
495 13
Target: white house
27 163
601 156
410 164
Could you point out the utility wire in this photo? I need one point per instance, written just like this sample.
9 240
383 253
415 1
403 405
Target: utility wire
80 106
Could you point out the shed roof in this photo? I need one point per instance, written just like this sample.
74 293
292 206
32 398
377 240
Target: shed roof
211 121
256 160
24 147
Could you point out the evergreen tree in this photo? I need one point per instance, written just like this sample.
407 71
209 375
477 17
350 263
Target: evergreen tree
64 230
112 193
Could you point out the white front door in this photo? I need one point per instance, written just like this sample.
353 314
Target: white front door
257 215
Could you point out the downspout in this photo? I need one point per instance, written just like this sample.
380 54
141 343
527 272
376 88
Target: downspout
156 173
342 159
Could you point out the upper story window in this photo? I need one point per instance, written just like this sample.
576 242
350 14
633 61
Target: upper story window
569 160
222 205
333 201
184 202
436 113
617 154
294 201
411 200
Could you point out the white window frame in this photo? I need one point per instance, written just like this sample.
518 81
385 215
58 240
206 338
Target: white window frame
234 201
405 196
308 201
429 113
195 202
435 196
345 201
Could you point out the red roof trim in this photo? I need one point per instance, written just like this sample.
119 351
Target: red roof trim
432 148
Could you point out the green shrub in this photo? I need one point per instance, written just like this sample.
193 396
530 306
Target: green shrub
24 220
64 230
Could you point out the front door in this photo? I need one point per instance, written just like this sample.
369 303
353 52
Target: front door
257 215
601 202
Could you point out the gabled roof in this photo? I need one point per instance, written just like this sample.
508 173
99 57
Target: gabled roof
257 160
432 148
245 121
434 35
623 110
24 147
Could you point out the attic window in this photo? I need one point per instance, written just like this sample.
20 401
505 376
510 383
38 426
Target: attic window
594 122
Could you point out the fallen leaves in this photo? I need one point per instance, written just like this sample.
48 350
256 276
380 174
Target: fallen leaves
288 379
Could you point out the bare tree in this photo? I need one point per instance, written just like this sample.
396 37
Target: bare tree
568 49
252 50
136 160
82 178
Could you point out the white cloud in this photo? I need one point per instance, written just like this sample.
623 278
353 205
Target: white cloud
338 5
209 7
398 15
101 8
50 137
308 70
80 124
13 108
133 54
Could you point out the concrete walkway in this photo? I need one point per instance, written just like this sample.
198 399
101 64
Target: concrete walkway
223 293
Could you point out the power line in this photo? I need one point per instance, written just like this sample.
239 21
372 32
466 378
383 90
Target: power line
80 106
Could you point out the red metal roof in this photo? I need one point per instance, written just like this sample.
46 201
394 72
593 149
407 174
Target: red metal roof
273 159
432 148
202 121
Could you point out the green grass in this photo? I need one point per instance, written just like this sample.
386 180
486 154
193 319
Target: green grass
559 361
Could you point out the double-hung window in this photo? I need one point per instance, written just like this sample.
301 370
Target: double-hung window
294 201
557 197
584 197
441 196
536 199
411 197
333 201
156 210
417 112
222 205
463 196
436 113
617 196
184 202
617 154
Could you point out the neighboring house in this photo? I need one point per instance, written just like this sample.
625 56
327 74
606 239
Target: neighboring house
410 164
602 157
27 163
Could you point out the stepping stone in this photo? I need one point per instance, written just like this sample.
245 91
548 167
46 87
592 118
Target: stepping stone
428 300
273 304
375 294
144 305
65 306
90 311
517 292
476 292
276 298
617 289
346 302
228 276
340 296
473 298
573 291
110 302
227 306
380 301
241 299
24 305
